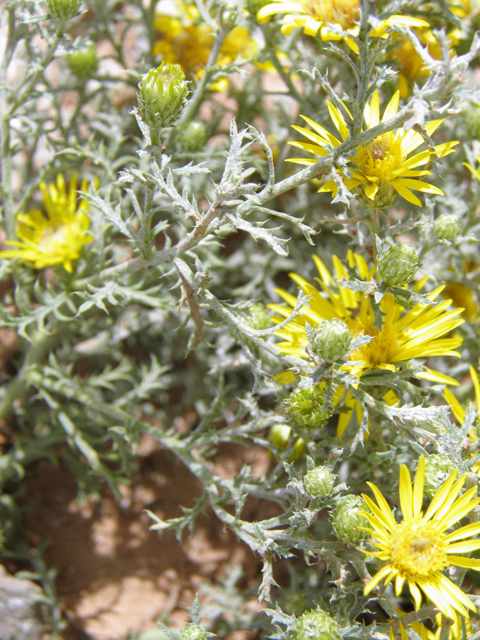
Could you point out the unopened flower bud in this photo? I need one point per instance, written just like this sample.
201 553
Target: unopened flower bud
447 226
194 136
437 470
347 519
319 482
331 339
307 407
63 9
279 436
315 625
194 632
162 94
398 265
258 317
83 62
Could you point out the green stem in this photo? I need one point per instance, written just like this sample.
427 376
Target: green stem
40 345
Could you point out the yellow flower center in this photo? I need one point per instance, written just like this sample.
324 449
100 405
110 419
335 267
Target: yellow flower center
418 549
341 12
382 156
381 349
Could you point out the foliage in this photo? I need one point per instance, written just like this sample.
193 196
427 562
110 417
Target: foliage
165 310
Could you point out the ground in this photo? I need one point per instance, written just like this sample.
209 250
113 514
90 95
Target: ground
116 575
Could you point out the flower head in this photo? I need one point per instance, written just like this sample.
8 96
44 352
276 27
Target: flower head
404 335
56 236
417 333
417 549
186 40
328 18
383 168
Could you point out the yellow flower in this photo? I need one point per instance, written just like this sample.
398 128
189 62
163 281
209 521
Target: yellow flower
381 169
418 333
455 630
418 548
185 40
462 296
410 64
475 172
56 237
327 17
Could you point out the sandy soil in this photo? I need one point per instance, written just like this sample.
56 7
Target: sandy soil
117 576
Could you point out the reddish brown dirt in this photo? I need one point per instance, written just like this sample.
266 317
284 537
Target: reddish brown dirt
117 576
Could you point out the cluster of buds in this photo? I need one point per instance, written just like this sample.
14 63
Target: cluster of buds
331 340
447 227
307 407
348 518
315 625
63 9
398 264
162 94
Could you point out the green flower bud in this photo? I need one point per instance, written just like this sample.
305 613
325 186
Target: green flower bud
279 436
347 519
331 339
194 632
162 94
472 121
315 625
258 318
319 482
447 226
83 62
63 9
437 470
194 136
306 406
398 265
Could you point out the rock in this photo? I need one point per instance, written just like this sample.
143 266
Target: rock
21 616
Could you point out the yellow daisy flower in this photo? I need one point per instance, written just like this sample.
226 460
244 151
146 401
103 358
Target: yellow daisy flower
185 40
326 17
382 169
418 333
56 237
419 547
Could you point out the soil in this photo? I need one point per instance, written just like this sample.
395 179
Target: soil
114 574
